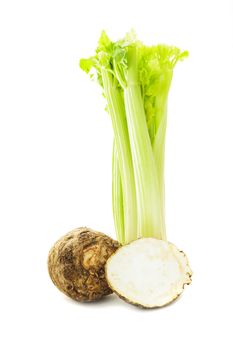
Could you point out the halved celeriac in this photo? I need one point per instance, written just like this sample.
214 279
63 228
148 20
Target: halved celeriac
148 272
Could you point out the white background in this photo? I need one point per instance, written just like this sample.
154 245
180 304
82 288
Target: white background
55 158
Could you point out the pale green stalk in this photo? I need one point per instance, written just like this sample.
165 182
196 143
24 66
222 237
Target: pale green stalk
159 153
146 180
117 198
117 112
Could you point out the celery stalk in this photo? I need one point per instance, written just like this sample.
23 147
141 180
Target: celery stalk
146 180
136 79
117 112
117 198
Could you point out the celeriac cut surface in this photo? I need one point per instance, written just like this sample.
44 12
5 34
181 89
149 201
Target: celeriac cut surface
148 272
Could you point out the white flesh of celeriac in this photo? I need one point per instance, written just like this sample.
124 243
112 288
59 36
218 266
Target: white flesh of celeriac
148 272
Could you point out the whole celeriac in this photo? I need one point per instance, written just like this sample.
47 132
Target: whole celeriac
76 263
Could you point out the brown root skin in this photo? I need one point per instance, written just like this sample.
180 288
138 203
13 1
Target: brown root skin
76 264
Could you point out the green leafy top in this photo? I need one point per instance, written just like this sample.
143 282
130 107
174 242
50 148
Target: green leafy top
131 62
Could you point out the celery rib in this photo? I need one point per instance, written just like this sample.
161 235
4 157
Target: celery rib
117 198
117 112
146 181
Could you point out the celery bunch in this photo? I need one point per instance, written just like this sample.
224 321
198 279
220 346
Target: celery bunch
135 80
